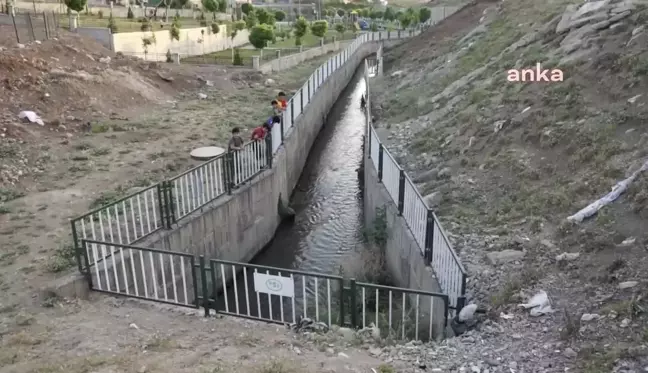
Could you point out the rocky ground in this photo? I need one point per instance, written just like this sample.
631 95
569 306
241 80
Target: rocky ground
506 163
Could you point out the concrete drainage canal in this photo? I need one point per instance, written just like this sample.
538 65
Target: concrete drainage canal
324 266
328 236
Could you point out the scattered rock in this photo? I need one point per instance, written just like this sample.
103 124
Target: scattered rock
589 317
202 96
570 353
269 82
433 199
628 284
504 256
567 257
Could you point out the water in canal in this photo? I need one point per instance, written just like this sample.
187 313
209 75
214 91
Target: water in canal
328 226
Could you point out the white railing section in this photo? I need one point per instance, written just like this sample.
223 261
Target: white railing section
275 134
249 161
198 186
124 221
446 265
375 147
427 232
288 119
415 212
313 295
152 274
390 174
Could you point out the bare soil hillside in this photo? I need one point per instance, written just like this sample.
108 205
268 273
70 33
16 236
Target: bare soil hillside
110 124
506 163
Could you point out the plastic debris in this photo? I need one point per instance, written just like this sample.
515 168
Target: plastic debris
31 117
539 304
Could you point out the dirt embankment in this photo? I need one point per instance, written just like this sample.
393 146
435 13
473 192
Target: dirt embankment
505 163
111 124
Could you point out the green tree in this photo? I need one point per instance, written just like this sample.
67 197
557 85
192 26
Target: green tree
280 15
175 29
405 20
374 27
236 27
210 6
319 28
111 24
301 29
76 5
246 8
237 61
179 4
339 27
265 17
424 14
341 12
251 20
130 14
365 12
222 6
389 14
261 35
353 27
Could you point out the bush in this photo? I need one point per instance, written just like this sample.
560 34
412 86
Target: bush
261 35
175 29
146 26
111 24
424 14
246 8
169 56
280 15
265 17
203 23
301 29
76 5
319 28
215 28
100 14
238 61
130 14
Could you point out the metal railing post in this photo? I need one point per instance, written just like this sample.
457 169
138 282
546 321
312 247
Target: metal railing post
161 196
228 169
87 274
380 162
354 316
429 237
77 248
461 303
401 192
203 281
172 211
292 112
342 300
268 141
301 102
281 124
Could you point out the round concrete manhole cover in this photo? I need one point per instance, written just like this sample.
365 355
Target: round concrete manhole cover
274 285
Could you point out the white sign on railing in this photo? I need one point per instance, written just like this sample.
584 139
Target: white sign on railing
274 285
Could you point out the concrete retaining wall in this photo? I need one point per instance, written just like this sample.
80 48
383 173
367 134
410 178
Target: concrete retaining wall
102 35
237 227
403 255
117 11
193 42
284 63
